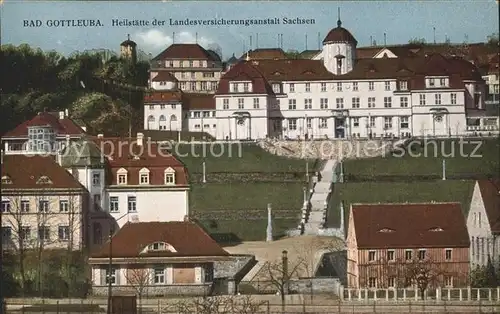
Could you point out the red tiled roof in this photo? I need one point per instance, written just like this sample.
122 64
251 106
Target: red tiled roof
24 172
340 34
121 153
265 54
409 225
61 127
162 96
293 70
246 71
164 76
187 238
490 192
194 101
185 51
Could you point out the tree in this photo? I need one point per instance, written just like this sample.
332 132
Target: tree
491 277
417 41
292 54
139 276
484 276
493 40
423 273
216 305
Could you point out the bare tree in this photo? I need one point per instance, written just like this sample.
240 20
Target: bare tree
423 273
217 305
139 277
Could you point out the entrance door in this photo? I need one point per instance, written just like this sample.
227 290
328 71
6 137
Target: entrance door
242 128
173 123
439 125
339 127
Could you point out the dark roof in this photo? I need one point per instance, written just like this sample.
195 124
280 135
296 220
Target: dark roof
24 172
128 42
265 54
194 101
232 60
162 96
215 56
164 76
82 153
340 34
490 192
61 127
187 238
186 51
423 225
246 71
293 70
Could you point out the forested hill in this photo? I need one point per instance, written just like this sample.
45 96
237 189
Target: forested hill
102 94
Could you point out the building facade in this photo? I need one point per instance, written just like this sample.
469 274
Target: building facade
483 223
157 258
384 251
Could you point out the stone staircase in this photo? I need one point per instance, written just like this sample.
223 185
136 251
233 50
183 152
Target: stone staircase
316 216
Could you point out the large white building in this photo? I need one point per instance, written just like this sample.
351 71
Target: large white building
334 95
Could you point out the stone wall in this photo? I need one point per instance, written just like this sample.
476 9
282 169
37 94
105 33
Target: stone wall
233 267
157 290
316 285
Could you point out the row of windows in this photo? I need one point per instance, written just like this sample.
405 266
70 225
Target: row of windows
44 233
189 63
481 248
339 86
205 126
163 106
24 206
421 255
374 282
203 86
192 75
114 204
159 275
323 122
144 178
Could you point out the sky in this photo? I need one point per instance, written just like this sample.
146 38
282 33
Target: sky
459 20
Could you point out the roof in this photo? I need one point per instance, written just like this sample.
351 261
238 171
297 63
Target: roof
232 60
265 54
126 153
308 54
164 76
128 42
340 34
246 71
162 96
24 172
422 225
82 153
186 51
194 101
490 192
62 127
187 238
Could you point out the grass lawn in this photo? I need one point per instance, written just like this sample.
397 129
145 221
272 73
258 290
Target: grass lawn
427 160
400 192
239 158
246 196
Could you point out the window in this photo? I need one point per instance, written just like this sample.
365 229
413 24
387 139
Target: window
206 114
390 255
144 178
432 82
308 87
308 103
479 219
63 206
43 206
132 204
193 75
25 233
355 122
256 103
371 86
151 107
453 97
292 87
209 273
5 206
447 254
292 104
6 234
408 255
371 256
355 102
391 282
96 179
276 88
323 87
241 103
323 123
97 202
339 87
388 122
437 99
442 82
159 275
246 87
113 204
234 87
371 102
157 246
339 103
372 282
421 254
323 103
422 99
387 102
448 281
309 123
387 86
25 206
169 176
372 122
63 233
171 64
292 124
225 103
43 233
6 180
354 86
408 281
404 124
122 179
403 102
111 277
403 85
162 106
196 114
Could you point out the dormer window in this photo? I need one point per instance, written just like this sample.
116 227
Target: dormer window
44 180
432 83
144 176
169 176
246 87
121 175
386 230
276 88
403 85
160 246
6 180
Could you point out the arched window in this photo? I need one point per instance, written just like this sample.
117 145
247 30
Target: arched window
163 123
151 122
173 118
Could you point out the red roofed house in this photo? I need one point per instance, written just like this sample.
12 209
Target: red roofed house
42 205
386 242
160 258
46 132
483 223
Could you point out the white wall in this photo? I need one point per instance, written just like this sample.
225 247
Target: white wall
172 112
85 177
330 50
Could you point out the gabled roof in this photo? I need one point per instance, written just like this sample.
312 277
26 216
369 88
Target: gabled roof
187 238
186 51
410 225
61 127
246 71
164 76
26 171
490 192
265 54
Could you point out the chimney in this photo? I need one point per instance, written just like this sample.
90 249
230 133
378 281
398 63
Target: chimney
100 135
140 138
61 115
